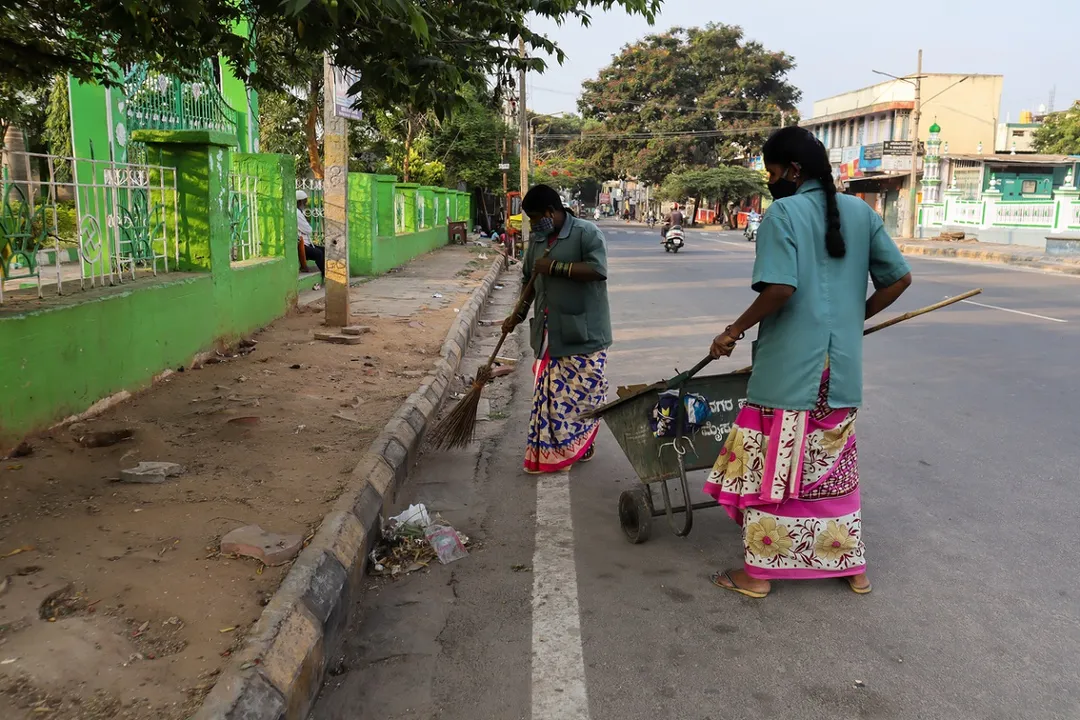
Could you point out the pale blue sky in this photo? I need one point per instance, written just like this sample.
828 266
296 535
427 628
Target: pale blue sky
837 44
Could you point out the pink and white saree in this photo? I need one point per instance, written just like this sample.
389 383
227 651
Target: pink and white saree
791 480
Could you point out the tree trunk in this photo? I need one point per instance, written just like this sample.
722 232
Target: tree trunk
311 129
408 149
697 204
17 164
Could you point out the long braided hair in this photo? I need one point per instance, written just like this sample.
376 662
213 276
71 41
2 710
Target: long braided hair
799 146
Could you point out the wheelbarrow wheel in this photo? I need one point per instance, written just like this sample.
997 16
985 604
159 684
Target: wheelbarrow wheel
635 514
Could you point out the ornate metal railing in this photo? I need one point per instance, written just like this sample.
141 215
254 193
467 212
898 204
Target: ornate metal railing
1025 214
968 213
931 214
120 217
314 211
157 101
244 217
399 212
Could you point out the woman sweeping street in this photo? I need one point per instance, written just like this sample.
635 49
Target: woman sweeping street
788 472
570 331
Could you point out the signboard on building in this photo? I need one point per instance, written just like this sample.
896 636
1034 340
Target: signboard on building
605 198
504 166
835 155
344 79
870 158
850 153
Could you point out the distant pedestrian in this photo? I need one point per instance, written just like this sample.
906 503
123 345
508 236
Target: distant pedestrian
788 472
308 248
570 331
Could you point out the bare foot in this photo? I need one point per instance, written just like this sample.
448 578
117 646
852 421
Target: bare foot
738 580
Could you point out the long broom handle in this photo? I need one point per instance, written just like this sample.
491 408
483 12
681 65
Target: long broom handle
517 308
906 316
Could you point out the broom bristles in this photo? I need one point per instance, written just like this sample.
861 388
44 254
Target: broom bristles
456 429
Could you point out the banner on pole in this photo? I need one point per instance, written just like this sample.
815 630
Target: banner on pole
344 78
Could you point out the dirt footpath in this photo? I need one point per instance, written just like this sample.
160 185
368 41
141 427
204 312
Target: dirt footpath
115 601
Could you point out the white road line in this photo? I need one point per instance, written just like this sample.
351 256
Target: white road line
1018 312
558 666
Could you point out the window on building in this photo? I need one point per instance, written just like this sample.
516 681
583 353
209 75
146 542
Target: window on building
1027 187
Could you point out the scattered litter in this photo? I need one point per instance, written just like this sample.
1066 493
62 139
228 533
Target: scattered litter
299 429
860 684
151 472
446 543
457 310
227 630
437 295
482 256
4 585
244 420
23 449
412 539
106 438
499 287
520 568
296 366
8 661
415 515
16 551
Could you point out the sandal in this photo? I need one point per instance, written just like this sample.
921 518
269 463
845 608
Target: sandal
726 575
858 589
588 455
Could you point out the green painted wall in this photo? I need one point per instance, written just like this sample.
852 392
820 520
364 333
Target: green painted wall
364 214
391 252
61 360
408 191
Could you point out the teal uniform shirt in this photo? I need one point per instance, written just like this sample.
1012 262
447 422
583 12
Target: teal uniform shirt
578 318
825 315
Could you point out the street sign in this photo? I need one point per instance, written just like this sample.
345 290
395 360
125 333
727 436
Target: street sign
345 78
504 166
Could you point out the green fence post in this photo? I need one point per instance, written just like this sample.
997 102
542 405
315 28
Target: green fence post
203 160
441 216
408 191
363 221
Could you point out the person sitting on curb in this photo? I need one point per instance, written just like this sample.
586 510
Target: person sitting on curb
306 247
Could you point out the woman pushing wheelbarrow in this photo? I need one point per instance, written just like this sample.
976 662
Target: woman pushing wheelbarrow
788 471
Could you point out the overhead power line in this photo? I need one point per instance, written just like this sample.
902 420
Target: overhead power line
612 101
648 135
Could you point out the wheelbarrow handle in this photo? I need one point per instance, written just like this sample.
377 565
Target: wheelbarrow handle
684 376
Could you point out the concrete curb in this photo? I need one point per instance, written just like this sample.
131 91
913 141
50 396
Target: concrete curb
279 671
992 256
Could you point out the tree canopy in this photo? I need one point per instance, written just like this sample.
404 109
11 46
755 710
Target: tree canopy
410 51
724 184
1060 132
696 97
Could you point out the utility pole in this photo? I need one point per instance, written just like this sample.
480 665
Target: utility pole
335 202
783 118
505 202
523 139
913 181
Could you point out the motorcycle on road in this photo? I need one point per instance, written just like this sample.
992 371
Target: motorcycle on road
674 239
750 233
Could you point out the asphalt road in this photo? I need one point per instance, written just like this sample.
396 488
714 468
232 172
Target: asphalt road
969 467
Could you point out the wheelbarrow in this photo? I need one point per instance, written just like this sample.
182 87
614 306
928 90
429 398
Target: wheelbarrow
656 460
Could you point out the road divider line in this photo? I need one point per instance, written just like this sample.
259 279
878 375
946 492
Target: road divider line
558 664
1017 312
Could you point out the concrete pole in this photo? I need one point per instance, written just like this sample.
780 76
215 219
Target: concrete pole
335 203
523 140
913 181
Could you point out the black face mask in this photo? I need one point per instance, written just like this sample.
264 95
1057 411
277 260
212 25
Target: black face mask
782 188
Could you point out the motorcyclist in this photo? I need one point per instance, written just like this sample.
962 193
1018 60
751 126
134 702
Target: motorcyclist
674 219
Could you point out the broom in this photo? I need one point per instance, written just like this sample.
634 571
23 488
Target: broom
456 429
635 391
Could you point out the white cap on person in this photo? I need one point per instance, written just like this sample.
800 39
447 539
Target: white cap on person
300 195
